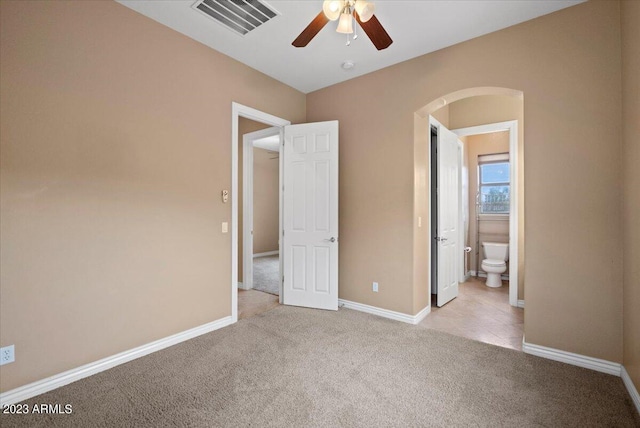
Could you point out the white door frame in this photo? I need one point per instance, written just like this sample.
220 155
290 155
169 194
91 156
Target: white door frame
237 111
512 127
247 202
463 213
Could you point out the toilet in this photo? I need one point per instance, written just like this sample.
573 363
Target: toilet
495 264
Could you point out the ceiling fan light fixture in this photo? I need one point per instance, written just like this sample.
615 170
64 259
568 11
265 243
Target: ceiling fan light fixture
332 9
365 9
345 25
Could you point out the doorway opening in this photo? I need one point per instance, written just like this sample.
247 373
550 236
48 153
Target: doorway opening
490 204
237 142
479 312
259 271
308 210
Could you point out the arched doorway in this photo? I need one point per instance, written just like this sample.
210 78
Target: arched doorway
481 110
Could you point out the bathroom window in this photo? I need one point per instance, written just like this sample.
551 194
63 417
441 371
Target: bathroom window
493 178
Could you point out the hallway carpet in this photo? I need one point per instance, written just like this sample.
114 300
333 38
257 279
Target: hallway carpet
266 274
296 367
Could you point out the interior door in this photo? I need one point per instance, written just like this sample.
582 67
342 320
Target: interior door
448 216
310 215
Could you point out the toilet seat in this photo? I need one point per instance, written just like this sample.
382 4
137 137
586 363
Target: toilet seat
494 263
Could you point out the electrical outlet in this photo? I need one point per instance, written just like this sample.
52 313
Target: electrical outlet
7 355
375 287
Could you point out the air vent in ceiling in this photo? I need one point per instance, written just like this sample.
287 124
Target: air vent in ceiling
240 16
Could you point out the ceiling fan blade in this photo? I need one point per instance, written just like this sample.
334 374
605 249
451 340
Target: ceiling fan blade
310 32
376 32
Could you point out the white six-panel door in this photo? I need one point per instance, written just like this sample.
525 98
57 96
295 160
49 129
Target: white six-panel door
310 215
448 216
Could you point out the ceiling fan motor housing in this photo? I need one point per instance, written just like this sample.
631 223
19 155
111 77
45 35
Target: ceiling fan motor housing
347 11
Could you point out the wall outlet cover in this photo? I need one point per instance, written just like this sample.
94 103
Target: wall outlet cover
7 354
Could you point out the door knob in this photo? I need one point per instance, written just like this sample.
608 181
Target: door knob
437 238
332 239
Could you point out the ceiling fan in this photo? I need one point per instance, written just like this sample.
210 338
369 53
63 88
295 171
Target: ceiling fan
347 11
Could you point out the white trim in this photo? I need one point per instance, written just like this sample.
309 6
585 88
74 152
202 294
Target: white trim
462 214
633 392
417 318
385 313
266 254
281 216
238 110
512 127
596 364
56 381
521 304
484 275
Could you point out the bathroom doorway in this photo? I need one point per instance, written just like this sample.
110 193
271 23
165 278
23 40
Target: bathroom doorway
486 214
491 213
491 315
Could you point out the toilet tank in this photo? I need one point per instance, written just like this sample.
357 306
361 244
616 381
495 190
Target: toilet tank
496 250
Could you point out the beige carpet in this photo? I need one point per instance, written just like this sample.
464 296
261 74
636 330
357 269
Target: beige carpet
295 367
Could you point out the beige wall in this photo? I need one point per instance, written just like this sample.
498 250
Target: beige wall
492 228
442 116
265 200
567 64
115 146
630 13
421 215
245 126
481 110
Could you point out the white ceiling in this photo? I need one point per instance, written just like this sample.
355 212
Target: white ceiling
416 27
268 143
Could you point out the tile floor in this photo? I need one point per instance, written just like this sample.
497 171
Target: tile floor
253 302
480 313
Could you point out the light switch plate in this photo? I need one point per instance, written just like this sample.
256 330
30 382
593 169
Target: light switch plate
225 227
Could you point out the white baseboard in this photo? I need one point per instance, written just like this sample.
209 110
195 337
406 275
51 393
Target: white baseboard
633 392
481 274
65 378
242 286
596 364
521 304
421 315
398 316
266 254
